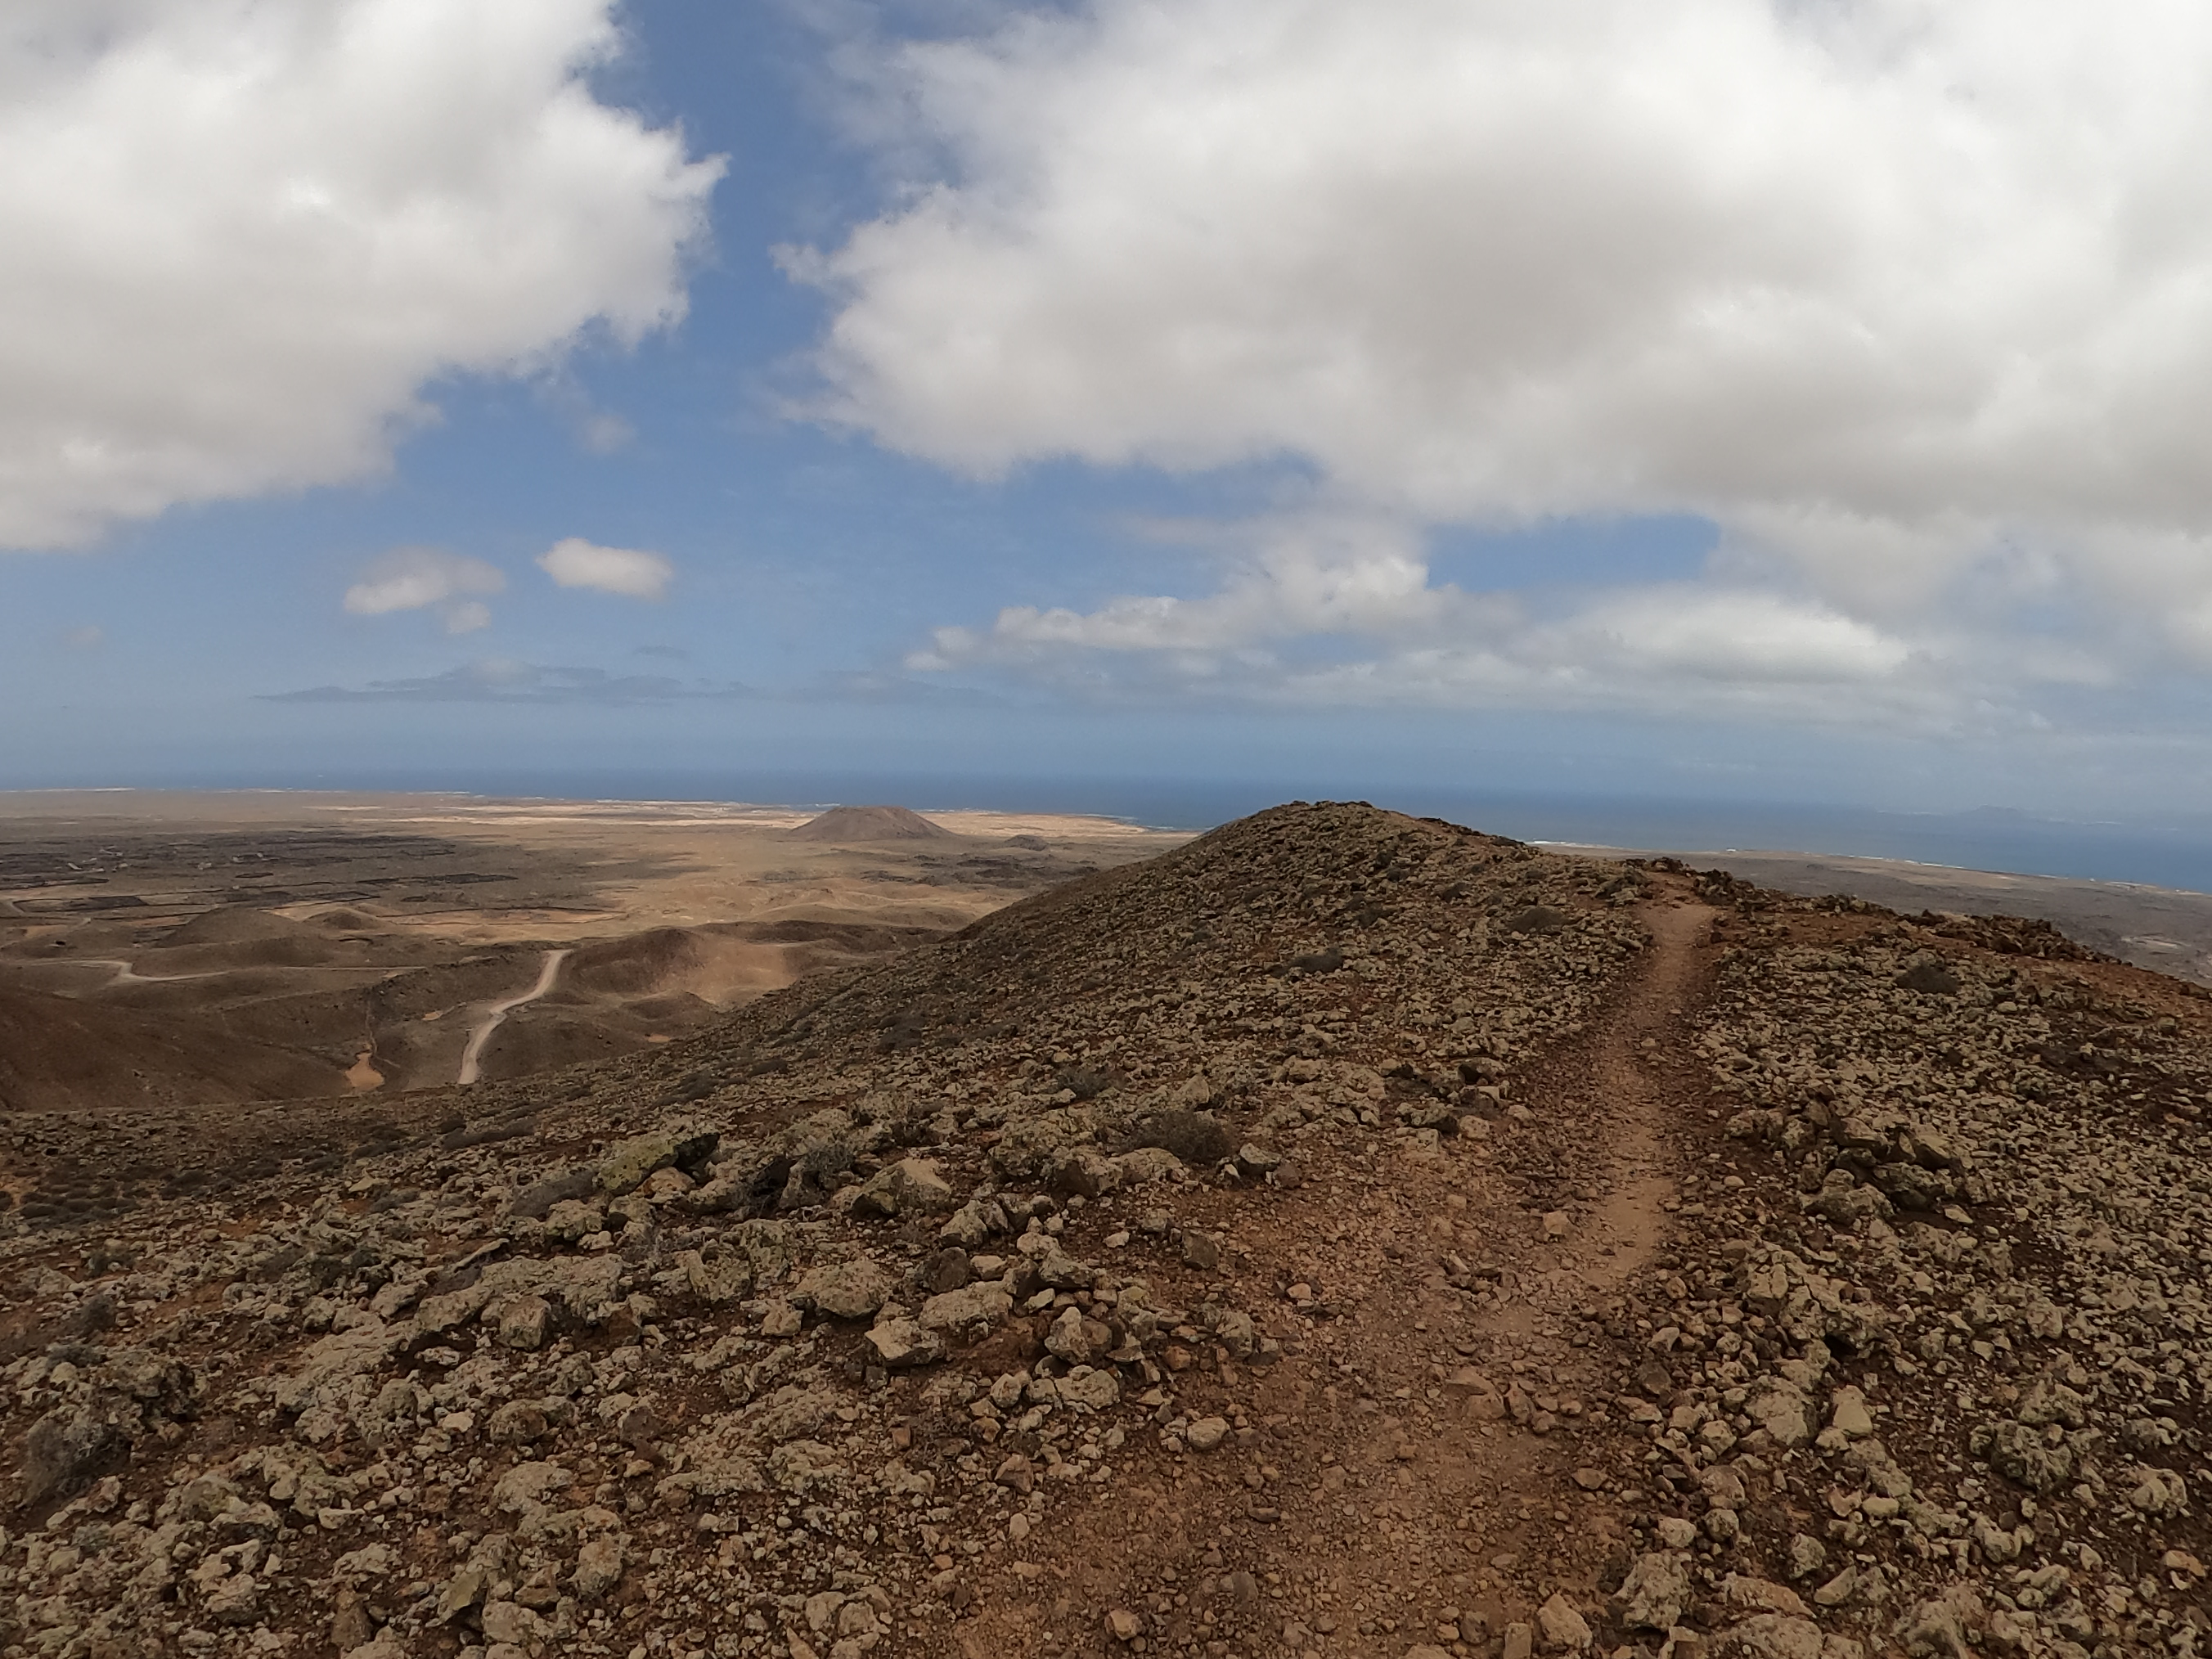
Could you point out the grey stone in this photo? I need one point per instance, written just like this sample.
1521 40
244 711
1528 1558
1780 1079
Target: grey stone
845 1289
902 1344
911 1187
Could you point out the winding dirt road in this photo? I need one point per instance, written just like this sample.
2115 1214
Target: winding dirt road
472 1056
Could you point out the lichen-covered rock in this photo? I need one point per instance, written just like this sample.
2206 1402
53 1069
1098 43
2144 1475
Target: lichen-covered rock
626 1166
912 1187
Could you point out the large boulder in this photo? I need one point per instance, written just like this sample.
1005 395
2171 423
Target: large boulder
625 1166
911 1187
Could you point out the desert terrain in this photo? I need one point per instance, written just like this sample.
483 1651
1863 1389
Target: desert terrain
1341 1235
2159 927
192 949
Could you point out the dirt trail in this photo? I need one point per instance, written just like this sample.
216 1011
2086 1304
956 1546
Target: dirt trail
1378 1498
472 1056
1629 1065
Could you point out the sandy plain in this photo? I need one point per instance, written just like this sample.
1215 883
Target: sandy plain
193 948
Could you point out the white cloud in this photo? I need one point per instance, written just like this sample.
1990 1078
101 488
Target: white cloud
90 637
1345 611
635 575
1362 578
1913 300
427 578
238 236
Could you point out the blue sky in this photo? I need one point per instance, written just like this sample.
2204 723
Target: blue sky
1708 401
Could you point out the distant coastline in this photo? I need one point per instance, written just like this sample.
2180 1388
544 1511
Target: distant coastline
2176 855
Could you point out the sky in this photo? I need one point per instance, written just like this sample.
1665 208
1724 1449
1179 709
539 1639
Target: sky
1772 400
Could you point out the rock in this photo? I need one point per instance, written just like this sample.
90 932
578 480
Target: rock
526 1323
1078 1339
664 1184
974 1304
2045 1401
63 1447
234 1601
1147 1166
1475 1396
1675 1532
1562 1625
462 1592
1095 1390
1062 1272
1519 1641
1837 1589
350 1628
1942 1626
626 1166
1773 1636
1082 1172
1205 1433
505 1621
598 1567
1847 1411
902 1344
1199 1250
911 1187
1761 1595
1656 1590
1807 1555
518 1423
536 1201
1253 1162
2021 1453
974 1224
2158 1494
1124 1626
1780 1407
853 1289
1556 1223
1197 1093
573 1219
944 1270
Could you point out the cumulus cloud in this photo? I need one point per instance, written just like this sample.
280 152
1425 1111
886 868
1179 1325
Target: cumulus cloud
427 578
1347 610
1913 300
237 237
628 571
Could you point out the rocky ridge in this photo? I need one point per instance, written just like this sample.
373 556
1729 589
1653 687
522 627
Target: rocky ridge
1346 1233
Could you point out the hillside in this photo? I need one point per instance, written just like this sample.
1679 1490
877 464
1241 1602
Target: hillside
1346 1234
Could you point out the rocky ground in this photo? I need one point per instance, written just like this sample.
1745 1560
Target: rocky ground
1345 1233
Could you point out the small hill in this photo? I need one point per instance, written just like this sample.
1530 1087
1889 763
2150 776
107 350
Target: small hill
59 1053
870 823
236 925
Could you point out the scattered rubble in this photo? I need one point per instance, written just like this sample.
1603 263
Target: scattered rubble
1346 1233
